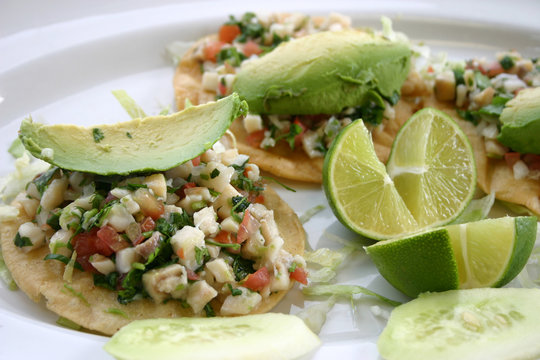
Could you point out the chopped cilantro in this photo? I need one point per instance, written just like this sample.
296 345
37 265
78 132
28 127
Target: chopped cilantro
242 267
65 322
248 28
54 219
133 187
106 281
198 205
201 255
215 173
204 176
22 241
507 62
63 259
231 56
129 135
209 310
234 292
77 294
233 246
116 311
97 134
43 180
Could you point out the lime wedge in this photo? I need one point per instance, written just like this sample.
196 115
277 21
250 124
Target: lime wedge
360 192
486 253
432 166
429 179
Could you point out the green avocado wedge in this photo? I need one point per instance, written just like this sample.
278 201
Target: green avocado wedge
520 122
153 143
323 73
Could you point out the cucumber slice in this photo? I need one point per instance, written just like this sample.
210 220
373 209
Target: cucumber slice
465 324
263 336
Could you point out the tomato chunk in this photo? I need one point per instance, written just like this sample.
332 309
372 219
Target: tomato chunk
299 274
148 224
150 206
252 48
109 240
511 158
212 49
225 237
85 246
248 226
227 33
182 191
255 138
258 280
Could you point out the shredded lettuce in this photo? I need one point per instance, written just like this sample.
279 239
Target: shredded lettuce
315 315
175 51
8 213
68 271
344 291
476 210
329 260
116 311
515 208
311 212
127 102
65 322
26 168
5 275
16 149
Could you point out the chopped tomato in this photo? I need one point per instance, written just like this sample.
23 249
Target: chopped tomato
85 246
109 238
224 237
259 199
180 253
299 274
298 138
182 191
252 48
511 158
494 69
248 226
430 69
258 280
191 275
148 224
150 206
139 240
212 49
227 33
255 138
222 88
196 161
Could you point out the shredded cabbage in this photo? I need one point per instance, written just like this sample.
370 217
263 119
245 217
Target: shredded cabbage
330 260
311 212
8 213
315 315
127 102
16 149
175 51
344 290
476 210
26 168
6 275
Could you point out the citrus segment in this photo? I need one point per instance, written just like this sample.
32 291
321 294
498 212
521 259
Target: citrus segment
432 166
486 253
359 190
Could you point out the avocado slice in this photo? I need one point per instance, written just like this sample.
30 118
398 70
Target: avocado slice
153 143
520 122
323 73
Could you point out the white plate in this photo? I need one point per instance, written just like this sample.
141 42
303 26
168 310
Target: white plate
65 71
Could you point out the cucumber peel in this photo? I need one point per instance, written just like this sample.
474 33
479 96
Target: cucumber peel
262 336
465 324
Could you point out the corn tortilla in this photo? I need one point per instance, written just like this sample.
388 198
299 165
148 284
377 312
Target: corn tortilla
41 279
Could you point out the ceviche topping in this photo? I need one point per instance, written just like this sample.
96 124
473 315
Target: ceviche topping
194 233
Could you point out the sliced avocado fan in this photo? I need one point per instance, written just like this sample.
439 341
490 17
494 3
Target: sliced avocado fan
153 143
323 73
